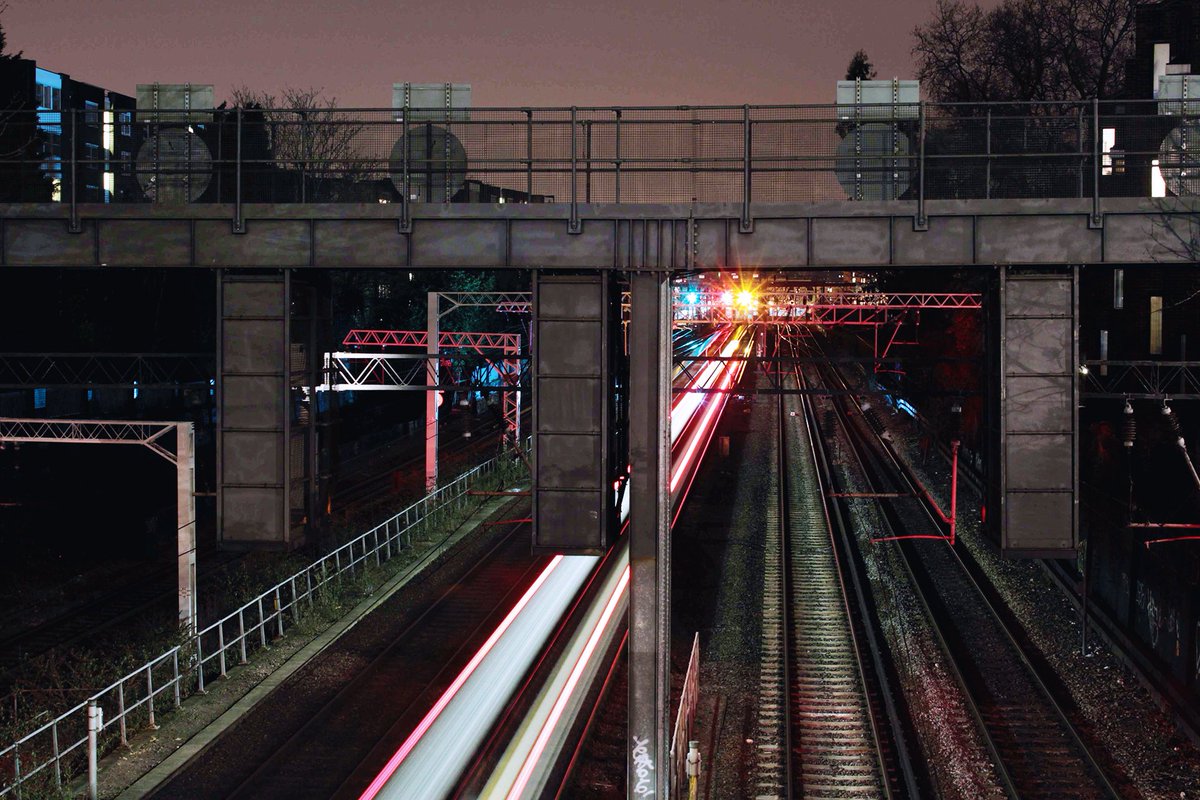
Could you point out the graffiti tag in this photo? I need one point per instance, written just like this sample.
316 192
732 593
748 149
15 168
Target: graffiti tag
643 767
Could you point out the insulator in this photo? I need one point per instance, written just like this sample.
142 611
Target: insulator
1128 426
1172 420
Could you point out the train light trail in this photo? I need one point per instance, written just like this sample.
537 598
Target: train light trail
434 755
399 756
539 745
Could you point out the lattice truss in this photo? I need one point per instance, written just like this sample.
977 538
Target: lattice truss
1142 380
384 371
119 370
809 307
504 302
76 431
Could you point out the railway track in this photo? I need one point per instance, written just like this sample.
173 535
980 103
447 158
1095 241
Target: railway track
1035 747
836 729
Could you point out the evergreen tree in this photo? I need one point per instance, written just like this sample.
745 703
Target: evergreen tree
860 67
22 143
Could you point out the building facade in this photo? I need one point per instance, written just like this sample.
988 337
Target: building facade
81 138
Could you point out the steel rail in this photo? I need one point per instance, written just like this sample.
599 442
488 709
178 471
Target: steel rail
1000 760
839 529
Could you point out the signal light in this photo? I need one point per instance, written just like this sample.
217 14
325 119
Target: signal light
745 300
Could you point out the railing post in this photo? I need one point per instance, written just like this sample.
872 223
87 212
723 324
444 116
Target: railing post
121 713
177 677
987 177
57 754
1096 221
529 155
405 210
238 223
74 226
262 624
617 159
303 158
221 645
573 225
308 586
746 225
278 612
150 695
1082 158
95 723
921 223
242 635
199 667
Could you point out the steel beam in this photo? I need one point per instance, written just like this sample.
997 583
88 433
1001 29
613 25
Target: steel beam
148 435
649 535
108 370
185 523
823 235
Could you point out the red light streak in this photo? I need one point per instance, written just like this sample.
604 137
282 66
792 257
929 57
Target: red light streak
714 406
725 374
568 688
394 762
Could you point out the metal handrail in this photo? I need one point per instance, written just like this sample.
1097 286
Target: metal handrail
955 150
266 613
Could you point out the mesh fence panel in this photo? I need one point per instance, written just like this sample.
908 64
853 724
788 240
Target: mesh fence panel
676 154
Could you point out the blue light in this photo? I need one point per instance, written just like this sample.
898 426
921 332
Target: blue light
906 407
692 298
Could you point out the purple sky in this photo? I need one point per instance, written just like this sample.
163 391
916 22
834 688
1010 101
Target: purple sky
616 52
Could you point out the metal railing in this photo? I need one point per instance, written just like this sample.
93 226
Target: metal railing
730 154
58 749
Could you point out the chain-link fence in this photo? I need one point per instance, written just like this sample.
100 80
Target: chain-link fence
739 154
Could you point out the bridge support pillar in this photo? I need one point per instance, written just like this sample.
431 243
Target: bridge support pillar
649 535
267 453
1038 450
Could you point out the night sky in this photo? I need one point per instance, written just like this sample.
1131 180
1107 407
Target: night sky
618 52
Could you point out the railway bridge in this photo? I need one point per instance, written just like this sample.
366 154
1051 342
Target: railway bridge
750 190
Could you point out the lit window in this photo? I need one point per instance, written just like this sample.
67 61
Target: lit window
39 398
1158 187
1109 137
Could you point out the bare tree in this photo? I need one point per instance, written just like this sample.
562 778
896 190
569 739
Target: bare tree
1025 50
954 58
307 135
